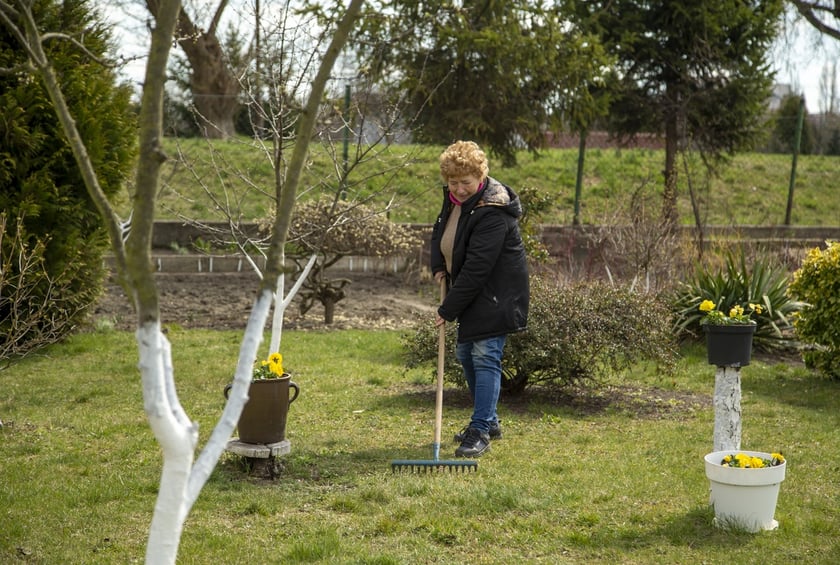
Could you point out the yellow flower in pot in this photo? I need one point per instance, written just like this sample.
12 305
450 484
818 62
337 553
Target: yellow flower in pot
744 488
737 314
729 337
263 418
270 368
746 461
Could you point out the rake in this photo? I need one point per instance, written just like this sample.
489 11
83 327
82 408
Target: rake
431 465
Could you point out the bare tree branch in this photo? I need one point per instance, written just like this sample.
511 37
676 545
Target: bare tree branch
214 23
824 15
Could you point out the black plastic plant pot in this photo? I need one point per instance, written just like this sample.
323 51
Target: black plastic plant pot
729 346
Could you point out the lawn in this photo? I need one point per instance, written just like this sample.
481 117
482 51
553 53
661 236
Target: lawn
609 475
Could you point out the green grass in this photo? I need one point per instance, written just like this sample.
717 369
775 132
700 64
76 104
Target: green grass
612 476
750 190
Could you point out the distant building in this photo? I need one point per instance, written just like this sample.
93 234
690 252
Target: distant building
780 91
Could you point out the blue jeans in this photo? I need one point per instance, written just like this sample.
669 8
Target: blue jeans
482 363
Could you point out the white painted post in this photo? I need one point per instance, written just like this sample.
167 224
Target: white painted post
727 401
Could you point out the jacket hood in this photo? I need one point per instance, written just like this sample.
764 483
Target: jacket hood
500 195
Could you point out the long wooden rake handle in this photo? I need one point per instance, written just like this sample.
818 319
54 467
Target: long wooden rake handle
440 370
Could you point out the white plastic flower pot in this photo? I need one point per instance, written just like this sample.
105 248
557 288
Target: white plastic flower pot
744 499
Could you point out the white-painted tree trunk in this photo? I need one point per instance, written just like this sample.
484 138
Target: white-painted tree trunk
175 433
236 399
727 401
281 305
181 481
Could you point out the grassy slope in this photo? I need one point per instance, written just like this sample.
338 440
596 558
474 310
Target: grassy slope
619 482
751 190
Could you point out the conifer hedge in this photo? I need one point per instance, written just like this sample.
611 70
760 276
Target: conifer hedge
50 220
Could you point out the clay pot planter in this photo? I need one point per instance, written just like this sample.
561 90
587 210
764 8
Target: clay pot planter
263 418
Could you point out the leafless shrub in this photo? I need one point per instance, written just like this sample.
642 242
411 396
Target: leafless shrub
34 307
336 229
638 246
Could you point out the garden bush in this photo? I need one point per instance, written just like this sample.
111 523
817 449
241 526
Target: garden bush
817 283
738 284
36 305
576 333
335 229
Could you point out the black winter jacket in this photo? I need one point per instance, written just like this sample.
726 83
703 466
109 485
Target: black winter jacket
489 289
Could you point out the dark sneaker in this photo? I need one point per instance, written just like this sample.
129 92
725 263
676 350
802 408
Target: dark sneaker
495 432
474 444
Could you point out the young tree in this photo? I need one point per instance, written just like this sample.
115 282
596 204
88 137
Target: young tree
697 72
182 477
346 210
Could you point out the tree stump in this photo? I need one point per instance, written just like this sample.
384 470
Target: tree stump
261 459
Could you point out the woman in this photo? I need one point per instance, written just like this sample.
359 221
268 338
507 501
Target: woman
477 247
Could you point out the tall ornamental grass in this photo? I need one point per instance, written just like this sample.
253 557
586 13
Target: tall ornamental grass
739 283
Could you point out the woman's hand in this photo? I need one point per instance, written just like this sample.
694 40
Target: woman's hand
439 279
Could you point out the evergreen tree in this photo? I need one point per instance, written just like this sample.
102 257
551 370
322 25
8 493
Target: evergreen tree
498 73
42 186
833 147
784 130
694 71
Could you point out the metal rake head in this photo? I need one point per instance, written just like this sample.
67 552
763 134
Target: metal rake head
431 466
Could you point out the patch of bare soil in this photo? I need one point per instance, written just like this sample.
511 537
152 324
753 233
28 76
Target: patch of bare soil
223 301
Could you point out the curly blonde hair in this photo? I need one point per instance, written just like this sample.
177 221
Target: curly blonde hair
463 158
